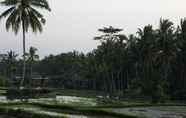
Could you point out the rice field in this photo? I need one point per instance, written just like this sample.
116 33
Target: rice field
154 112
87 103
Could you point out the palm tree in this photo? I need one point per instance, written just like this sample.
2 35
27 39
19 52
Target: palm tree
181 60
32 57
24 13
167 45
11 61
110 33
146 43
106 53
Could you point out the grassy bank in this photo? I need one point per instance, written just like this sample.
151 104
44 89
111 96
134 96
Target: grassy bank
62 109
97 111
23 114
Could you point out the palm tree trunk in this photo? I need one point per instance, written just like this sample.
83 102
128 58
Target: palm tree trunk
24 59
31 69
30 79
118 81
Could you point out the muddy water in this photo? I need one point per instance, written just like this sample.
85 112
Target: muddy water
154 112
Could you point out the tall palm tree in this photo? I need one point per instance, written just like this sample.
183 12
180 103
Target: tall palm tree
181 60
24 13
106 53
167 45
146 43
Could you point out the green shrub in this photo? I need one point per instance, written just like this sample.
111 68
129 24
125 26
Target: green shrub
25 93
84 111
3 81
24 114
179 95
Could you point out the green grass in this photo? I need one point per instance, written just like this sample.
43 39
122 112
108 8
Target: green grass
72 110
83 110
24 114
88 110
3 90
77 93
177 109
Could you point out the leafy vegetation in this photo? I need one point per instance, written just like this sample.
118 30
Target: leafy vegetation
145 66
139 70
64 109
24 114
24 14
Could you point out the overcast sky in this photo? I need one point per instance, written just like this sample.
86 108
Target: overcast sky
72 24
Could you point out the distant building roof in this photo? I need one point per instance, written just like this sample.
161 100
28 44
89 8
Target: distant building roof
39 78
33 77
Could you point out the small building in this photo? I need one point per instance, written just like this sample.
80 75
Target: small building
35 81
39 81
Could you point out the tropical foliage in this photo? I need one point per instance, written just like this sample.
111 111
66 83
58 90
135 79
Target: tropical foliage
150 64
24 14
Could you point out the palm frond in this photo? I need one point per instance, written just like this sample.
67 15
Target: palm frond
36 24
24 12
17 25
183 25
43 4
9 2
11 21
7 12
110 30
36 12
97 38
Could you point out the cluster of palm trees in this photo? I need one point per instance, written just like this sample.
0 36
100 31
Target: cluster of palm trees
24 14
10 63
10 66
151 59
151 63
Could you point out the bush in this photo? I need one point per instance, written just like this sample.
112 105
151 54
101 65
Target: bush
24 114
26 93
84 111
3 81
180 95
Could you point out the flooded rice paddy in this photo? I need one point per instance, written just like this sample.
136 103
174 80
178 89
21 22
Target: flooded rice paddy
154 112
146 112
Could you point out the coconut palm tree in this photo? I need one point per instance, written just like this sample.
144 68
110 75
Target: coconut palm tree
106 53
167 45
147 46
181 60
24 13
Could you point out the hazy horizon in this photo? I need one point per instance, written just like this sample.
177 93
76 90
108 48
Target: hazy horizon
72 24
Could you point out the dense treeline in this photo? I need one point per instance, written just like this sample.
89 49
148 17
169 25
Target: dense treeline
151 63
